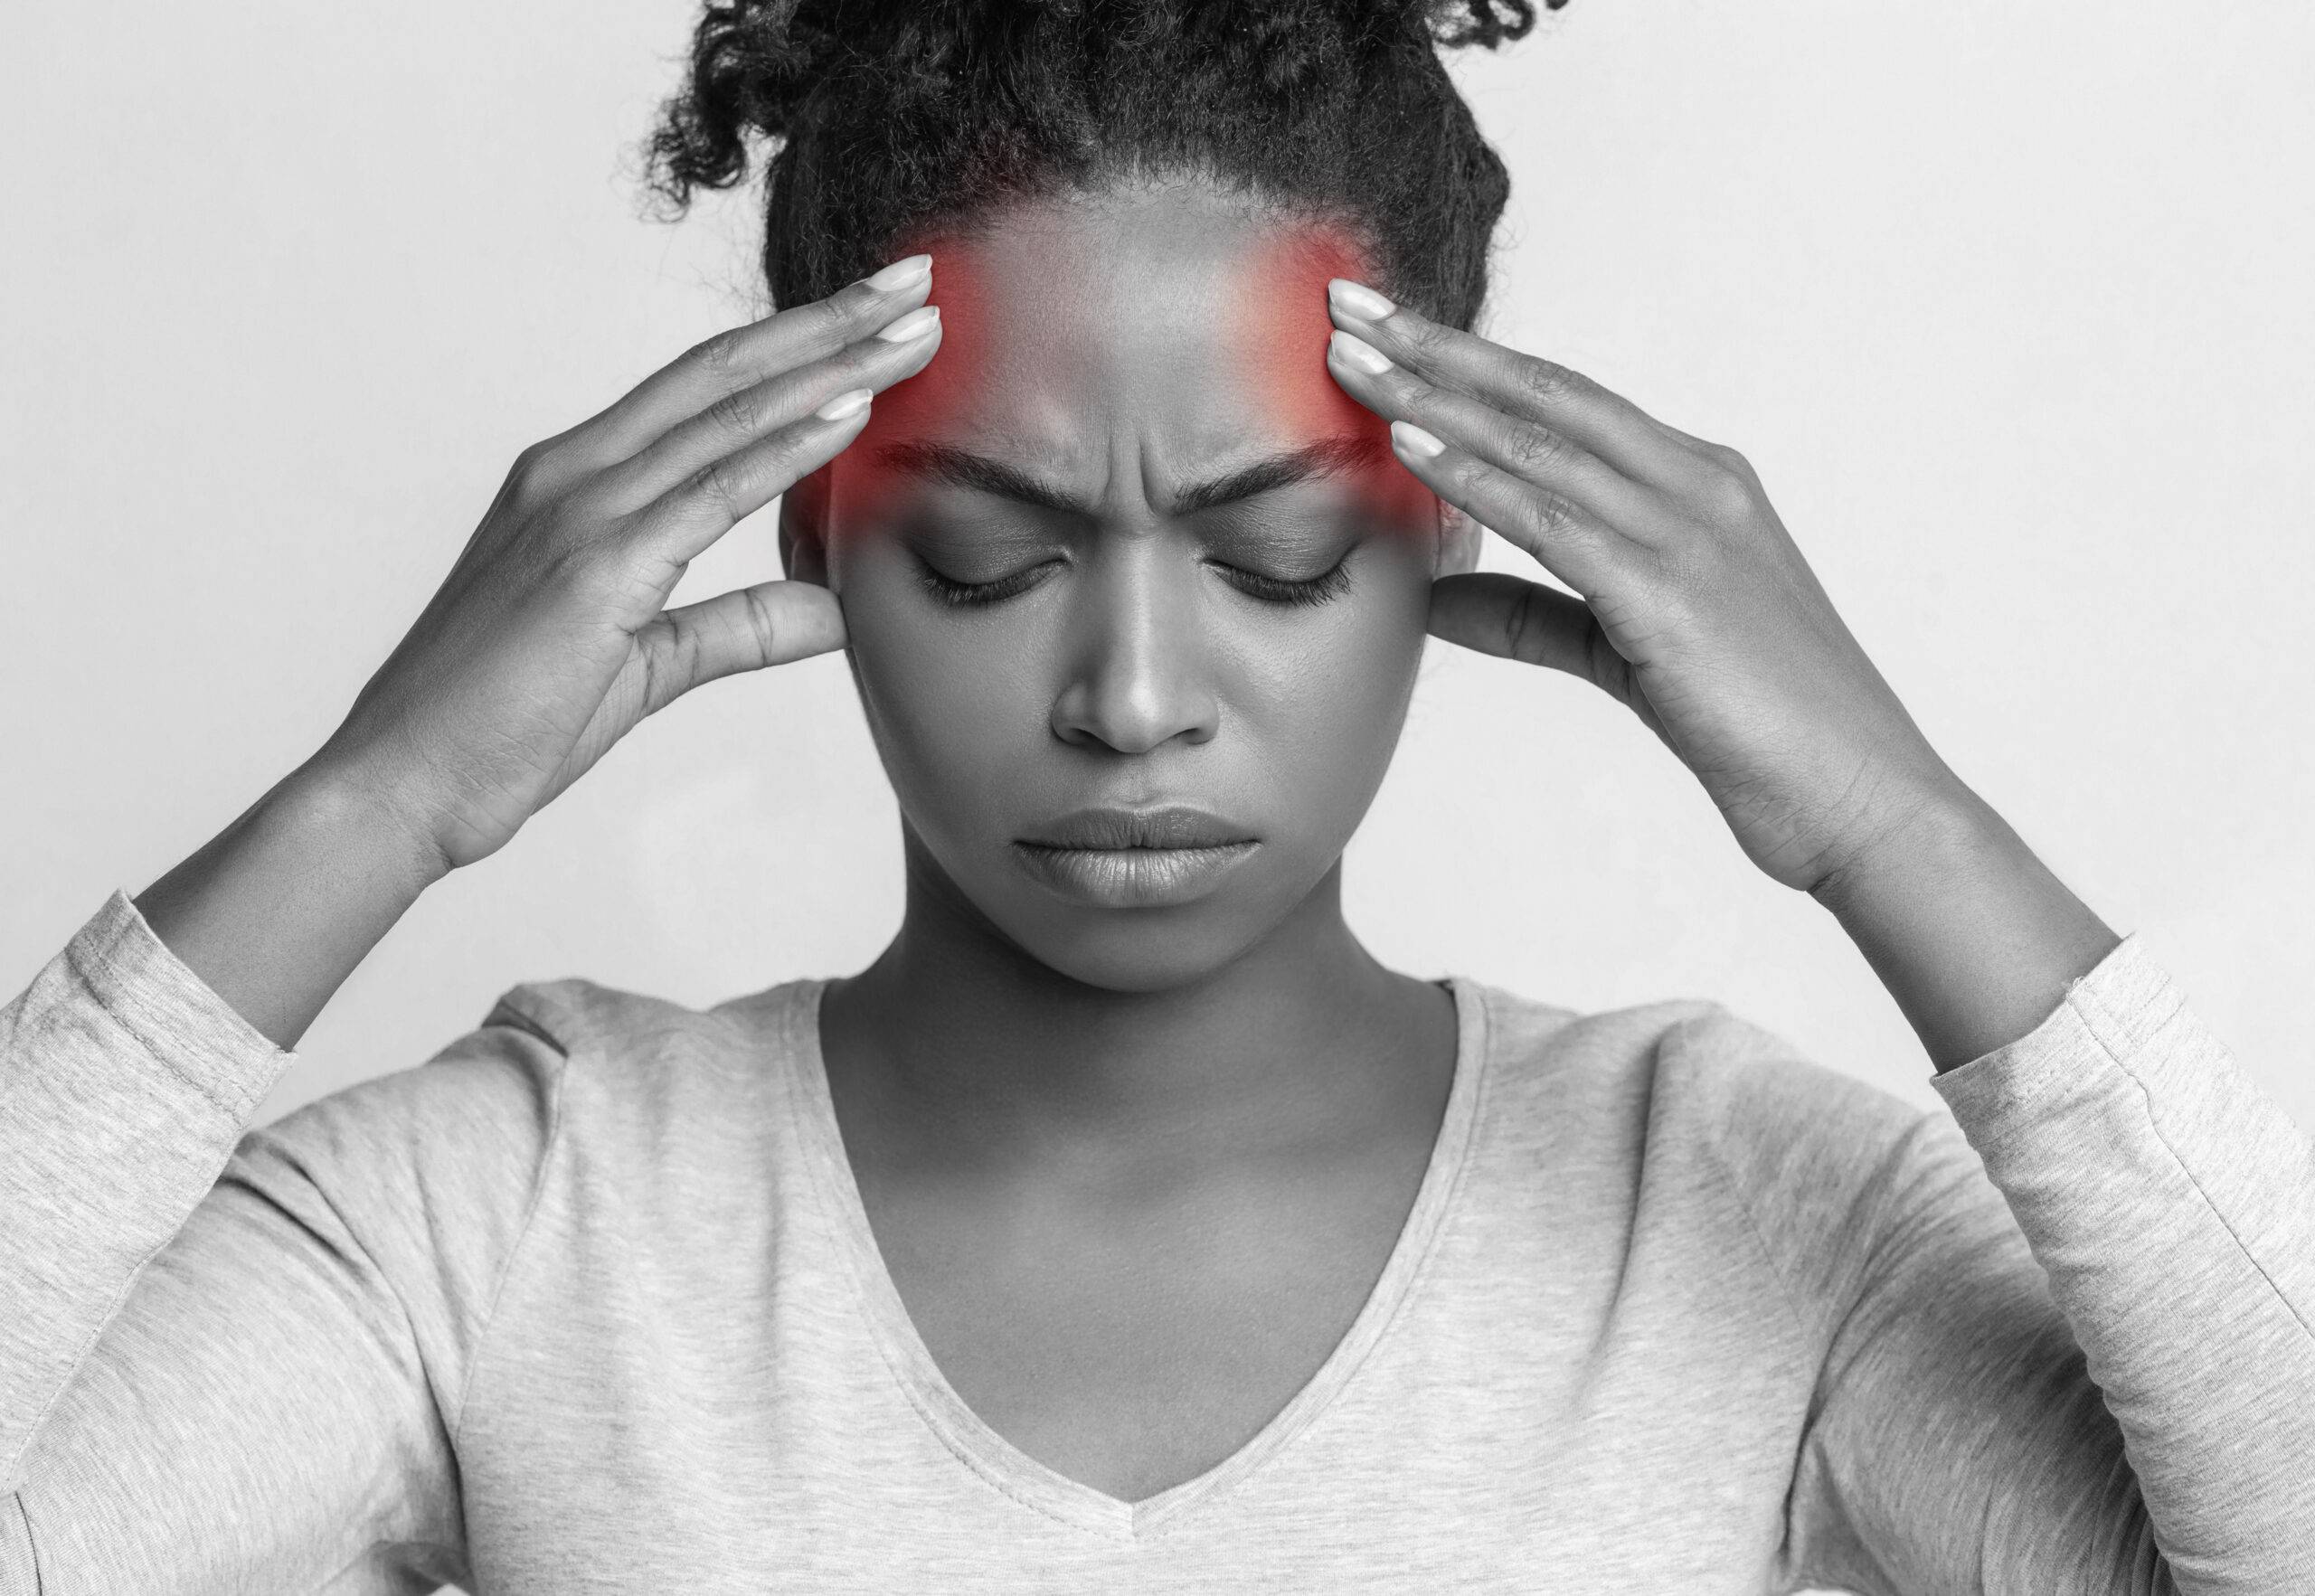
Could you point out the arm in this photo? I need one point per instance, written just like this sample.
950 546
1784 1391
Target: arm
2087 1376
276 911
237 1360
2170 1202
228 1356
2166 1197
1953 1444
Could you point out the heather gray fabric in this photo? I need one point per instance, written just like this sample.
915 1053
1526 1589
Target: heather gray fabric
589 1303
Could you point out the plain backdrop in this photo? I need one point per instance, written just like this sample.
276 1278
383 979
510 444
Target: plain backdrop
2008 304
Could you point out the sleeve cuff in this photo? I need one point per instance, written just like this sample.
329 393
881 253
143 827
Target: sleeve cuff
116 961
2114 1013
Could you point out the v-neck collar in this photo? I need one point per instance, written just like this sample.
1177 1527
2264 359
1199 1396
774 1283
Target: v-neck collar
998 1460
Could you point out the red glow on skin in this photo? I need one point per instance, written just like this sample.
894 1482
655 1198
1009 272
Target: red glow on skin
992 333
932 404
1282 326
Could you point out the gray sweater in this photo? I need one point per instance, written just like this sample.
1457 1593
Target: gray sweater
589 1303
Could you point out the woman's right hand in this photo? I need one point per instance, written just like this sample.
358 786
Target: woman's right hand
548 641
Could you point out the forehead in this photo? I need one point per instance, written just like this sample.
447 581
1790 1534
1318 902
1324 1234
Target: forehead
1146 334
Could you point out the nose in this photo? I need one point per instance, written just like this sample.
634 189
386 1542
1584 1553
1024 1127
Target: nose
1138 673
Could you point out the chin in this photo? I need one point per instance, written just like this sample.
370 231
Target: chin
1140 950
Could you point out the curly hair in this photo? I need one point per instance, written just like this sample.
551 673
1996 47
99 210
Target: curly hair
895 118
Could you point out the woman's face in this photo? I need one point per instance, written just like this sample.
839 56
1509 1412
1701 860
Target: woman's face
1124 546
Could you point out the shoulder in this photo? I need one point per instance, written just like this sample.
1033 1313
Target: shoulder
1691 1065
642 1056
1692 1095
476 1125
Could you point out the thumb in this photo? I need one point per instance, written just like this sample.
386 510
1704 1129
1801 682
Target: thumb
745 630
1509 616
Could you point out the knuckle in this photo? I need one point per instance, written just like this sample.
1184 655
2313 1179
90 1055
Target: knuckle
716 485
1542 382
1535 449
719 355
527 475
1732 488
820 325
761 627
1467 475
1519 625
1550 513
1425 336
737 413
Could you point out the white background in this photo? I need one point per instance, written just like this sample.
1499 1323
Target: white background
2008 304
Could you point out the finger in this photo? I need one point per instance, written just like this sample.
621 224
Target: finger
1495 612
741 357
875 363
1562 536
745 630
1570 403
683 521
1528 450
1511 618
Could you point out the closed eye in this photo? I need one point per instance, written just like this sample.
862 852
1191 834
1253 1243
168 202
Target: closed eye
1321 588
949 590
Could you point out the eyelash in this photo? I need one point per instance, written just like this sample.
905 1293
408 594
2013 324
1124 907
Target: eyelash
1321 588
962 593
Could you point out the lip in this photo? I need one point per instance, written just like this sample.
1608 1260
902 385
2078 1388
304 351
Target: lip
1167 826
1122 858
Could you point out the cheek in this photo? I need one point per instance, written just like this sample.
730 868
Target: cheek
1335 703
951 706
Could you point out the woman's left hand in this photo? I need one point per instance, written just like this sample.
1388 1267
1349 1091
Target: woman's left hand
1696 608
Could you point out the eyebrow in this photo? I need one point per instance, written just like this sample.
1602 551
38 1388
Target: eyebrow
946 463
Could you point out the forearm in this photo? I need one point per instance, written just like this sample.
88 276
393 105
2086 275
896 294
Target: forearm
1971 933
276 910
2166 1199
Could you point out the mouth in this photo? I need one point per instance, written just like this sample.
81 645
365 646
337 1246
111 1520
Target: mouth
1136 858
1173 825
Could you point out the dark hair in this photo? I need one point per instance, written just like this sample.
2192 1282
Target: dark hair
899 118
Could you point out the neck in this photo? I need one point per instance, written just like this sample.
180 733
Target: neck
989 1059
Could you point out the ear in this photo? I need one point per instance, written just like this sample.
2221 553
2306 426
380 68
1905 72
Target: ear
803 530
1459 538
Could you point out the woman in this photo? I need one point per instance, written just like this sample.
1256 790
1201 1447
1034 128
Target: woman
1124 1224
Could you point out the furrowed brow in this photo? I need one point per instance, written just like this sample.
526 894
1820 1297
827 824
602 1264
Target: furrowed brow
964 469
1323 459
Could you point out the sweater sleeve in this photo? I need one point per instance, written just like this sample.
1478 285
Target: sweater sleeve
2074 1354
234 1358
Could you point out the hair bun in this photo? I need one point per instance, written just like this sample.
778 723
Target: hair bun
758 66
887 118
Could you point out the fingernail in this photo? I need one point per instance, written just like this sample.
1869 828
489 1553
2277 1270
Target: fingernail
1359 353
915 325
1413 438
900 274
844 405
1358 299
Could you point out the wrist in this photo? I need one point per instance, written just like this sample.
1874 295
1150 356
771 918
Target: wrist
350 813
1947 831
274 911
1972 934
